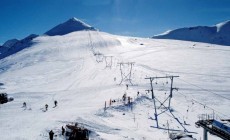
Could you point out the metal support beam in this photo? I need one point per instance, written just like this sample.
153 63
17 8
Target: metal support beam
205 135
155 99
125 76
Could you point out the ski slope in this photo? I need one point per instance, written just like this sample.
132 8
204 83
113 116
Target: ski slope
64 68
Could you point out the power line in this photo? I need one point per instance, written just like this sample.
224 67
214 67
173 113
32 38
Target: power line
193 100
187 73
204 89
163 71
160 71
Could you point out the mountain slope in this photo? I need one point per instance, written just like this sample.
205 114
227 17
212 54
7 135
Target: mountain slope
218 34
69 26
65 68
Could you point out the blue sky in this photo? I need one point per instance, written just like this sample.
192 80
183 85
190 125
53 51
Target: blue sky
144 18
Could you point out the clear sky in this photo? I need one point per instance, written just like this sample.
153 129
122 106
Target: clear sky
144 18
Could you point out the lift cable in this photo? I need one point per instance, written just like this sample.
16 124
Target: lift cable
193 100
205 89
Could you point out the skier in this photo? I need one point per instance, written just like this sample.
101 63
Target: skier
138 93
46 106
63 130
55 103
124 97
129 100
127 86
51 134
110 102
24 104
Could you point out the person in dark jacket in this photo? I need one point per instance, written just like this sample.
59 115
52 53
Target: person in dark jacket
46 106
24 104
63 130
51 133
55 103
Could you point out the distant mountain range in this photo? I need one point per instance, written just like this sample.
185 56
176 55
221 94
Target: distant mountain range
218 34
13 45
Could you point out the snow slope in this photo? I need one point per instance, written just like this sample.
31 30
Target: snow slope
65 68
69 26
218 34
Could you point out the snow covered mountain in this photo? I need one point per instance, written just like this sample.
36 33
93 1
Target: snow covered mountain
69 26
218 34
81 71
13 46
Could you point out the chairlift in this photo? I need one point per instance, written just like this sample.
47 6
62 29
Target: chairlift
99 57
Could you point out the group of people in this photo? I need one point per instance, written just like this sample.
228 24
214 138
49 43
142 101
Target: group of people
55 105
51 133
46 105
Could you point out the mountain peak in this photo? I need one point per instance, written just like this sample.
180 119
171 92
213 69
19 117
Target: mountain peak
223 23
223 26
71 25
74 19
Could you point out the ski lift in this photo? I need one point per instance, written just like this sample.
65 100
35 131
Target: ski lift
99 57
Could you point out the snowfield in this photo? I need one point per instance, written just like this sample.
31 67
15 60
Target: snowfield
64 68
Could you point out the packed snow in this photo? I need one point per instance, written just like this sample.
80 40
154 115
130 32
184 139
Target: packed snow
66 68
